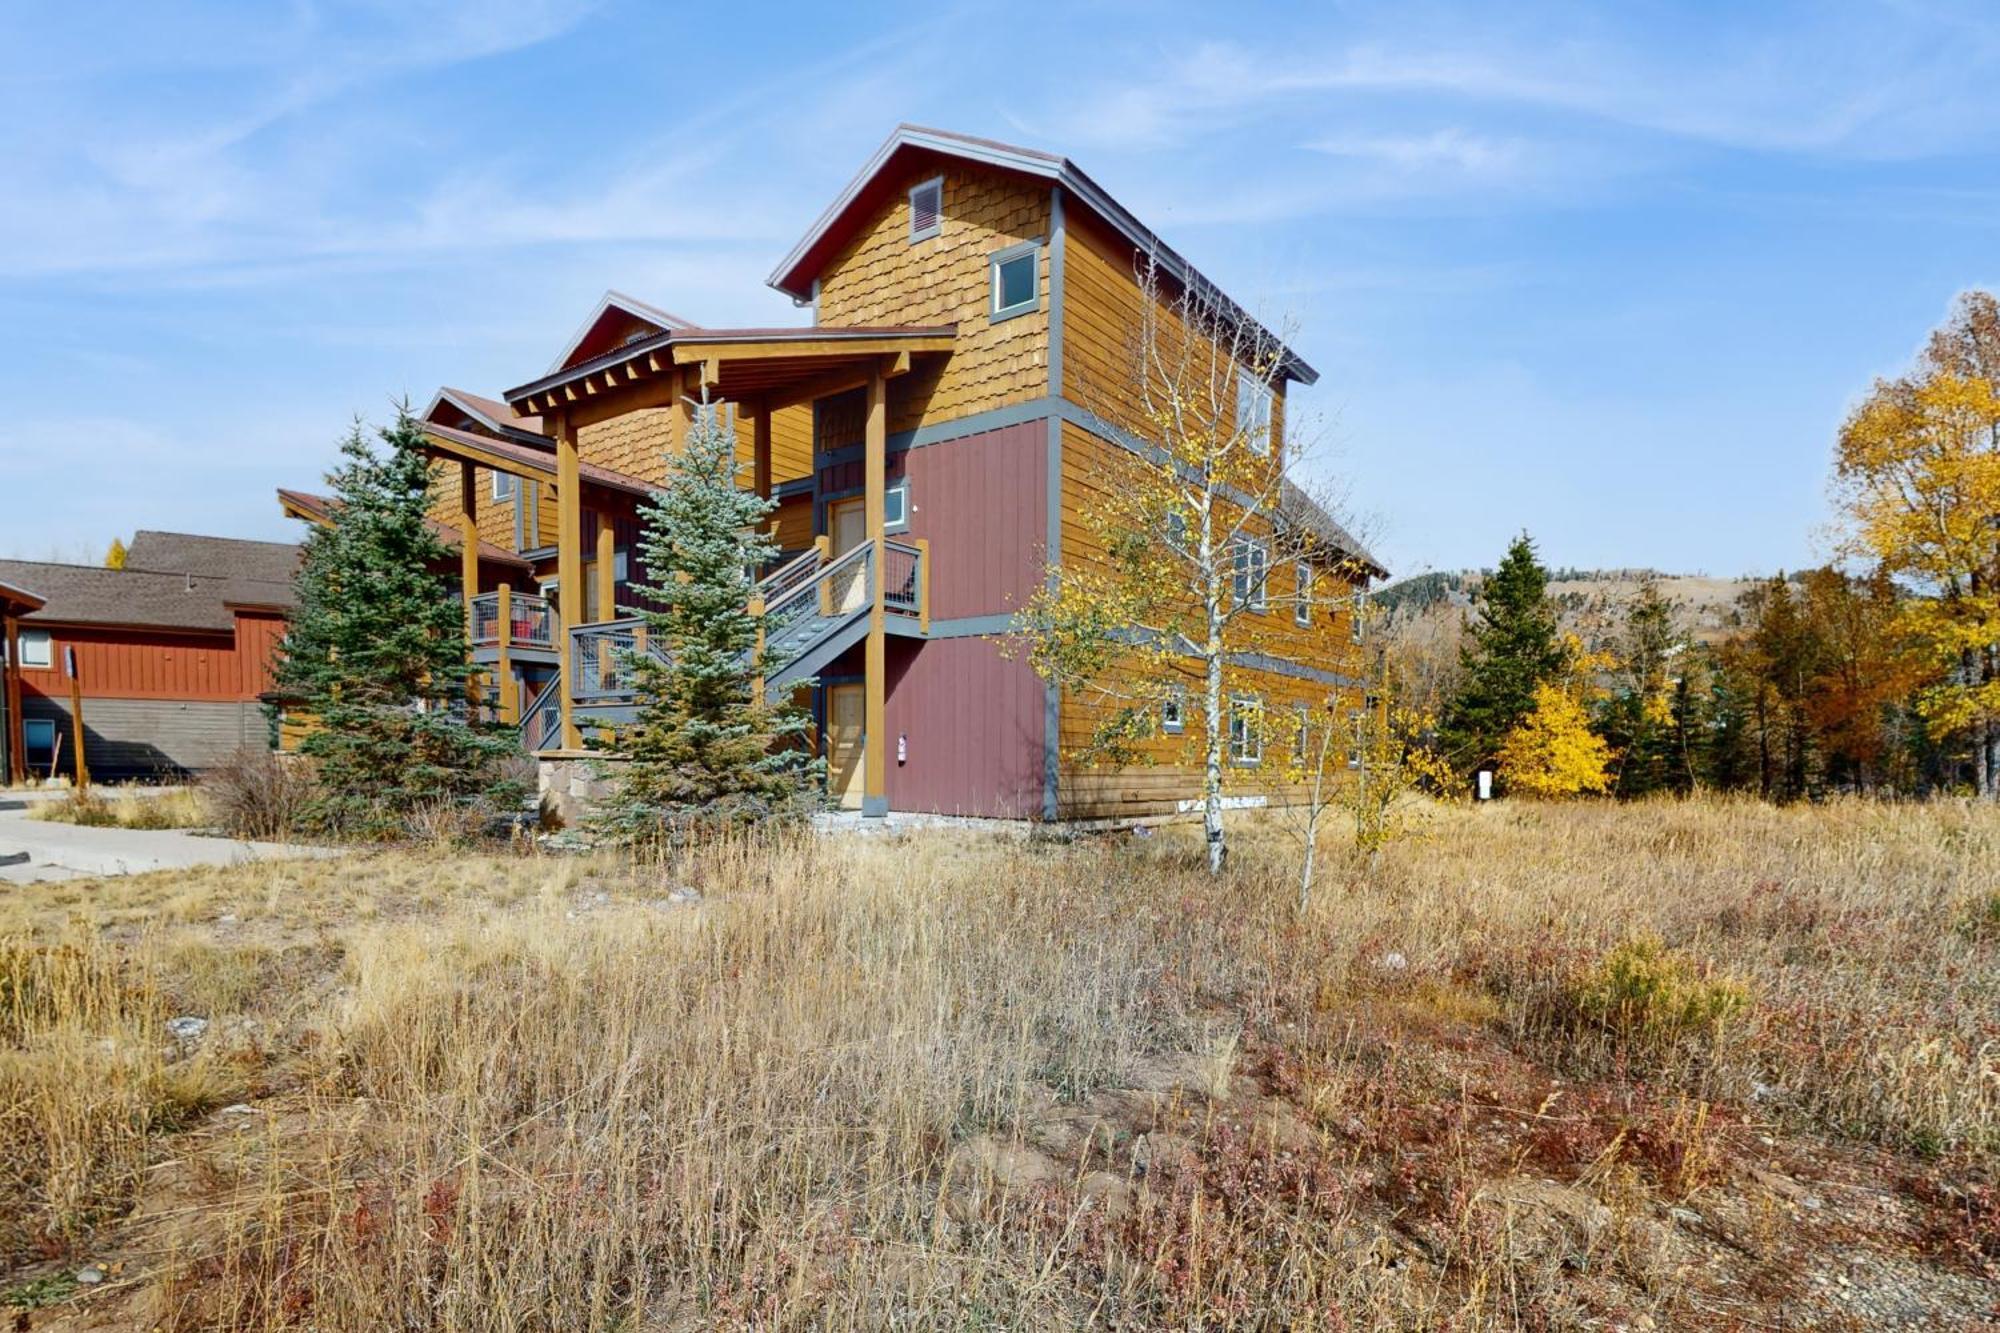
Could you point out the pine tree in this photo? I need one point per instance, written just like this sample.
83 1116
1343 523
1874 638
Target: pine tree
1511 648
705 752
1642 718
376 653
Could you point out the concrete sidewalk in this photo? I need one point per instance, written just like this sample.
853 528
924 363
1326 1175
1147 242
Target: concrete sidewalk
70 851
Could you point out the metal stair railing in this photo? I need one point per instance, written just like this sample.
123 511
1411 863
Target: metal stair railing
541 725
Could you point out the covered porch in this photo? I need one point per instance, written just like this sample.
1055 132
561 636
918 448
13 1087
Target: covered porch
854 586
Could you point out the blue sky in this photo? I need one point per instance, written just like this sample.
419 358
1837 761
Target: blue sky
1612 273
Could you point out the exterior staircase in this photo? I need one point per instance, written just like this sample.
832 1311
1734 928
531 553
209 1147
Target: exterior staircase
815 607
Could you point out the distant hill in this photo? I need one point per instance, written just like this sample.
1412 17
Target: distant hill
1591 601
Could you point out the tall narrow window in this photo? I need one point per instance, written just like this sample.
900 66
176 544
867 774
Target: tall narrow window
504 484
1015 275
1246 729
1358 618
1173 711
1253 410
1252 575
1302 738
1357 731
926 209
1302 607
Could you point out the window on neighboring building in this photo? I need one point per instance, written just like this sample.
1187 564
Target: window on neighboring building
1358 618
1177 530
1253 410
1356 729
1302 609
1173 711
1252 577
38 739
504 485
1016 280
1246 729
926 209
1301 739
37 648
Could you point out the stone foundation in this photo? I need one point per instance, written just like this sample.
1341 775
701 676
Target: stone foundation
570 785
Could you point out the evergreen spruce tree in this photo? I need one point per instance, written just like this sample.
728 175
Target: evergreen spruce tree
1512 646
705 753
376 653
1642 718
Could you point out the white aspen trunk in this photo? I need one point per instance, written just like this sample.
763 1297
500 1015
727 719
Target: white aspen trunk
1211 780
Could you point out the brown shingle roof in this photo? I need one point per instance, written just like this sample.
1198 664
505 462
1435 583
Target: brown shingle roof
93 595
218 557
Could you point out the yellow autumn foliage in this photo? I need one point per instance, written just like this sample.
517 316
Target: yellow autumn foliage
1553 752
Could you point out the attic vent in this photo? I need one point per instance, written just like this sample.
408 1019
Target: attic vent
636 335
926 208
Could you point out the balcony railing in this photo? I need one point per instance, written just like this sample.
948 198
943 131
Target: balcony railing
600 663
530 622
903 575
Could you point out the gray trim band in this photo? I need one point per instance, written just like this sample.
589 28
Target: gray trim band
973 627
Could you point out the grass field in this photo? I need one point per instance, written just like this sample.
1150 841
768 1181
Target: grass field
1705 1065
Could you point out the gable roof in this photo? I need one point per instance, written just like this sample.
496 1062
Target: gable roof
94 595
1298 506
451 406
795 273
214 557
612 309
320 509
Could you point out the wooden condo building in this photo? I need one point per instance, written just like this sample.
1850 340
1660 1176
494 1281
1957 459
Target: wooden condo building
930 439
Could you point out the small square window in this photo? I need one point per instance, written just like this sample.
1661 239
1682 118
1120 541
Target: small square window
1253 410
1302 608
1246 730
1173 711
1016 280
1252 573
37 648
504 486
896 507
38 736
926 209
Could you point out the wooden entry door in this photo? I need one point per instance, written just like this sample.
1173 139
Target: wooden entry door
847 523
846 736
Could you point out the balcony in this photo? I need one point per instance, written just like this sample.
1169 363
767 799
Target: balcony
529 624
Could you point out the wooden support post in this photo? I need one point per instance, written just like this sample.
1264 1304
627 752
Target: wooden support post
607 569
875 686
569 567
81 761
757 685
824 545
17 735
761 451
510 703
468 557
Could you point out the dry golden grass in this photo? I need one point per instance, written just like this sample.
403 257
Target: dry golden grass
955 1081
172 808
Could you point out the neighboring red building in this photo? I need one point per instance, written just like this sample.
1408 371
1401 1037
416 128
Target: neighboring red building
170 654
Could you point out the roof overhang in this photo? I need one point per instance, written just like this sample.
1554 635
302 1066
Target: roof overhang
776 366
16 600
524 461
795 274
479 412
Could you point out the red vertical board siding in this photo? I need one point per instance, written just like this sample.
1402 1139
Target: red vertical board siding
983 503
972 721
117 663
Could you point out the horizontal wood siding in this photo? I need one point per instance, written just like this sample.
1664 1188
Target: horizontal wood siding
794 523
972 723
134 739
880 277
1104 311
